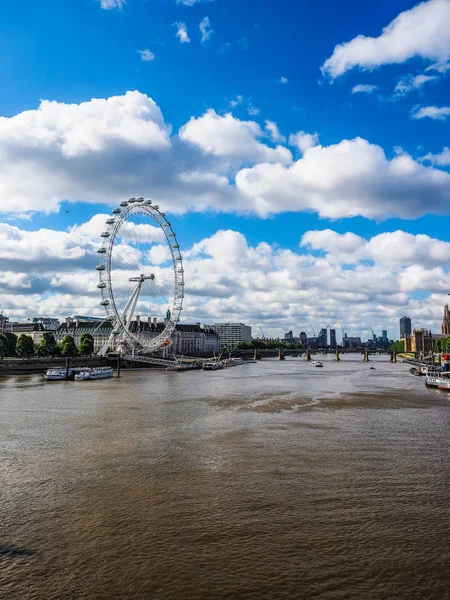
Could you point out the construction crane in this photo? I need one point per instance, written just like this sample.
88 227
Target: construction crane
313 330
262 333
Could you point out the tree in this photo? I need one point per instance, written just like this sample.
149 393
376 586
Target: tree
47 345
67 346
12 341
86 345
438 345
4 346
397 347
24 346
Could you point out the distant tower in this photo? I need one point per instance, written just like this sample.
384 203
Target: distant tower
405 327
446 321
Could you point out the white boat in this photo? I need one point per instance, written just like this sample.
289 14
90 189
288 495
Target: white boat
94 373
212 366
438 379
57 374
316 363
237 361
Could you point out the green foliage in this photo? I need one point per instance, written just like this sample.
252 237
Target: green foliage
397 347
86 345
12 341
67 346
4 345
47 345
24 346
442 345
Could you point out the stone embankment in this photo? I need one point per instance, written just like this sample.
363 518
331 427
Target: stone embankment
17 366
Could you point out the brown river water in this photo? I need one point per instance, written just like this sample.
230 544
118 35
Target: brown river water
265 481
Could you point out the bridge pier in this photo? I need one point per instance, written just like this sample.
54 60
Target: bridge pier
256 356
338 358
308 355
280 354
393 357
366 355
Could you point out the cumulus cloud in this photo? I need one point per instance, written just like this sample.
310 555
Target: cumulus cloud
257 284
284 80
442 159
206 29
108 149
351 178
228 137
440 113
302 140
274 133
146 55
423 31
364 88
182 32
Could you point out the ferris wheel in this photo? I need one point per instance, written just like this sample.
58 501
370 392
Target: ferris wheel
141 276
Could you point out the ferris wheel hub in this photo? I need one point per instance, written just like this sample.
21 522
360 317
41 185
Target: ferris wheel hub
142 278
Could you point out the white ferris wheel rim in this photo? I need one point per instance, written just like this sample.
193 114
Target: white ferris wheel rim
120 216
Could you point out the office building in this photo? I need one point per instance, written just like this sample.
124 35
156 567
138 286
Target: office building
231 334
303 339
384 337
332 338
405 327
322 339
47 322
289 336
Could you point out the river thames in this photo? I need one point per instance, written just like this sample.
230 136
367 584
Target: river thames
264 481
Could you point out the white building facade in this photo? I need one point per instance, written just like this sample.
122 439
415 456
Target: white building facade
231 334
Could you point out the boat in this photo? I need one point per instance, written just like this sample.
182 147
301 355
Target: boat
316 363
212 366
438 379
61 374
94 373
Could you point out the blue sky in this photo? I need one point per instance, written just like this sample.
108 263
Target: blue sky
224 114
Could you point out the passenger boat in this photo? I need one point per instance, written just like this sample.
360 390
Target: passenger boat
316 363
59 373
438 379
212 366
94 373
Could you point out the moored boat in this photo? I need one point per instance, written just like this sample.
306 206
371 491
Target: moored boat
437 379
212 366
61 374
94 373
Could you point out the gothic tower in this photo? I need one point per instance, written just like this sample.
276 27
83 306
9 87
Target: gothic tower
446 321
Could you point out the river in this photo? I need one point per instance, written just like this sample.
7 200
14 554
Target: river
264 481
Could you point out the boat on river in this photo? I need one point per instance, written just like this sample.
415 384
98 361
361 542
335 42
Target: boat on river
212 366
316 363
61 374
94 373
438 379
185 366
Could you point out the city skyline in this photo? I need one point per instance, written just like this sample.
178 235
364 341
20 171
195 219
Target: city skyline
300 190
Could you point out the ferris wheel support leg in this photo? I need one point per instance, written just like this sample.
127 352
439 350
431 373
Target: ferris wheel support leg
134 299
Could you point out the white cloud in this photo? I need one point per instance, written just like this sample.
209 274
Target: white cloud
333 278
234 103
228 137
364 88
351 178
284 80
423 31
253 111
111 4
442 159
191 2
274 133
146 55
302 140
108 149
440 113
410 82
182 32
441 67
206 29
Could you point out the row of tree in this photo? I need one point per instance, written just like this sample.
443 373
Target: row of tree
22 345
442 345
